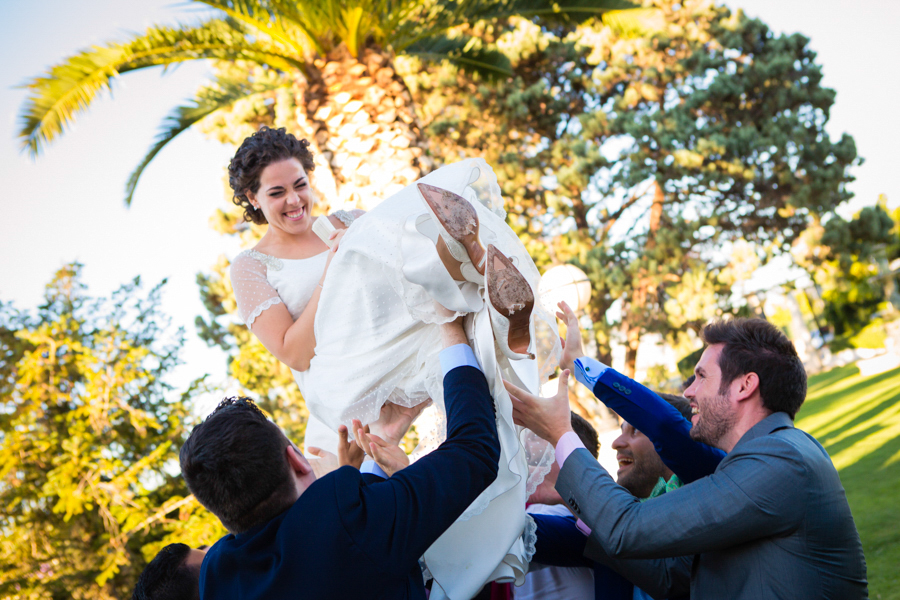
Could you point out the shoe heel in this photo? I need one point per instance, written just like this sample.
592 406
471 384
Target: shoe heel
510 303
458 225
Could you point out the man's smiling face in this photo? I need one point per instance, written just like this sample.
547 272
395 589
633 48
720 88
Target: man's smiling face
713 413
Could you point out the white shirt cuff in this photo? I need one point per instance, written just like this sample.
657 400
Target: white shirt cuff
588 371
460 355
370 466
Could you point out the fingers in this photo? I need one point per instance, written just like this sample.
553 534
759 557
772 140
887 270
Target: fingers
314 451
563 386
517 393
343 435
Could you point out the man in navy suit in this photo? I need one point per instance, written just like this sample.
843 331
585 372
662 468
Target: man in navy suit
347 534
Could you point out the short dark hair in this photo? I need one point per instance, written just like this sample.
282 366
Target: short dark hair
587 434
687 382
679 402
757 346
168 577
257 152
234 463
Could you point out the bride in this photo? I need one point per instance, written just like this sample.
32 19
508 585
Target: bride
357 323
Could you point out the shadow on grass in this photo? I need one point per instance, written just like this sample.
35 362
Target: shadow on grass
872 482
872 487
817 402
823 380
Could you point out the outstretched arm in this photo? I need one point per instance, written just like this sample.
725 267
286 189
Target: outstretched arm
404 515
641 407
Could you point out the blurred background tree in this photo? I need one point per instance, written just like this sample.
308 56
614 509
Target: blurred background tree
89 434
848 262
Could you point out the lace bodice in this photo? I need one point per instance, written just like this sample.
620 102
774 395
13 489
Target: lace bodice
261 281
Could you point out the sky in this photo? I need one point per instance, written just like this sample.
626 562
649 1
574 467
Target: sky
67 204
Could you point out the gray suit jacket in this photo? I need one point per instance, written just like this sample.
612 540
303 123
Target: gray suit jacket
771 522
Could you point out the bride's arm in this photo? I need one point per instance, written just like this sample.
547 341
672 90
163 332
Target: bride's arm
291 342
294 342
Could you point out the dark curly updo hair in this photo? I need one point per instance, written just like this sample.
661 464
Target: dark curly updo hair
258 151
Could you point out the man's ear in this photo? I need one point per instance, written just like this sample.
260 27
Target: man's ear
745 386
297 461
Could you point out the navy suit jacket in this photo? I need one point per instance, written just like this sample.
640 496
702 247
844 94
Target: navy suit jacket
357 536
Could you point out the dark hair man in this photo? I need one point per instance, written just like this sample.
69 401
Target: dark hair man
342 536
173 574
772 521
641 471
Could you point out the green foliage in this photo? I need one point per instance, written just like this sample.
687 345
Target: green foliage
641 158
89 432
847 260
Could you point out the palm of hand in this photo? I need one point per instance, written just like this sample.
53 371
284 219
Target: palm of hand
395 420
391 459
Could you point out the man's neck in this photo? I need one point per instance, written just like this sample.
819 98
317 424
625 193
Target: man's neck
746 421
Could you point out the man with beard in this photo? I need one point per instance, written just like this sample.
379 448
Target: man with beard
772 520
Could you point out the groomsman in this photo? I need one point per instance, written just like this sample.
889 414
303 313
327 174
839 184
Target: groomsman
346 535
772 521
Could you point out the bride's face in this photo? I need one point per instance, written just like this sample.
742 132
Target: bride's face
284 196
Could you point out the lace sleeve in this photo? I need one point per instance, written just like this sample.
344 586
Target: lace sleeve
252 291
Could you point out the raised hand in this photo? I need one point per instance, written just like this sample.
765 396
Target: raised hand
348 452
572 346
549 418
390 457
395 420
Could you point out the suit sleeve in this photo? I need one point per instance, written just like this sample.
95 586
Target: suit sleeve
659 577
661 423
396 520
561 544
752 495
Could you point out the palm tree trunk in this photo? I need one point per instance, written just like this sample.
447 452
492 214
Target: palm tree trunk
362 118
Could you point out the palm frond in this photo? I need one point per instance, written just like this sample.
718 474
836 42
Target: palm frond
562 9
69 87
465 52
208 100
281 24
636 22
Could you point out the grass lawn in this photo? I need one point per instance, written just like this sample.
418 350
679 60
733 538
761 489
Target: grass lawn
857 419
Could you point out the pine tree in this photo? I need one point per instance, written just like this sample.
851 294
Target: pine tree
89 433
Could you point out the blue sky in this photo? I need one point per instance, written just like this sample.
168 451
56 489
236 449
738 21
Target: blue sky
67 205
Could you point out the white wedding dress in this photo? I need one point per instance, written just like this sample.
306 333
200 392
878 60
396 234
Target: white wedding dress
377 341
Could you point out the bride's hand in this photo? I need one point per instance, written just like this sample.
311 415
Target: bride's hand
335 238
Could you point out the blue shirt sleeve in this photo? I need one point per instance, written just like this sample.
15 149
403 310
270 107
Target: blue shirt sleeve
371 467
460 355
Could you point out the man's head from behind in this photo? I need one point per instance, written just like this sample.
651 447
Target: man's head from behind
173 574
640 467
749 365
241 466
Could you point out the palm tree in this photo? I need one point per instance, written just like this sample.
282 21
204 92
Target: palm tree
334 58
